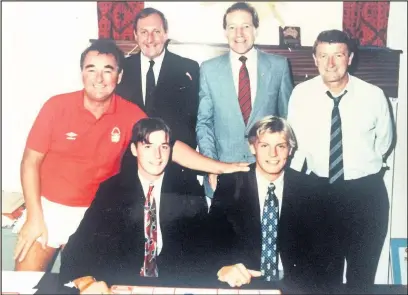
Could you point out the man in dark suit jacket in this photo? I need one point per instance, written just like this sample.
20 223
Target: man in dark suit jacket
303 237
175 95
109 244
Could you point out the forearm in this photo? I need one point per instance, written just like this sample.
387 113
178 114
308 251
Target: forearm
30 181
190 158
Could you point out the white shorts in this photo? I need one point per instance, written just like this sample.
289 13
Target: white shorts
61 222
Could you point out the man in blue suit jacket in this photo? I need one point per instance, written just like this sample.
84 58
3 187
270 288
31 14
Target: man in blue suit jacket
221 125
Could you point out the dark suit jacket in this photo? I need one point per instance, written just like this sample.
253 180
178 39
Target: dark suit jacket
236 222
175 98
109 242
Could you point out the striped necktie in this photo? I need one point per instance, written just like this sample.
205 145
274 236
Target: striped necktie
336 147
269 227
244 91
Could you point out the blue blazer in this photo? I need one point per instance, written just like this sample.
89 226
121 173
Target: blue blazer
221 131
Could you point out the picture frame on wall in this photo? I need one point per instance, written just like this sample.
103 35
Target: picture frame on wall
399 251
289 37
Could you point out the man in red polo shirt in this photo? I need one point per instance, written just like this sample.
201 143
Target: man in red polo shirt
75 143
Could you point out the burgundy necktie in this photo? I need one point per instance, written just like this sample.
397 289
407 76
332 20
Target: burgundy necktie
149 268
244 92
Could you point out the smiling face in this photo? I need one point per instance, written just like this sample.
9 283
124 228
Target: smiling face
150 35
332 61
100 76
271 151
152 156
240 31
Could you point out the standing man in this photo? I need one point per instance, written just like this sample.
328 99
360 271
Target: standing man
161 83
76 142
269 222
344 129
237 89
143 221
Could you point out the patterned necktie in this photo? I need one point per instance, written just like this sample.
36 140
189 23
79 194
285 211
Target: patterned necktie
149 268
269 227
336 147
150 85
244 92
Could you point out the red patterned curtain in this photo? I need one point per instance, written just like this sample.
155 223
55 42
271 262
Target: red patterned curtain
115 19
367 22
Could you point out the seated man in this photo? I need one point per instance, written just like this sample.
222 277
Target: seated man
264 221
143 221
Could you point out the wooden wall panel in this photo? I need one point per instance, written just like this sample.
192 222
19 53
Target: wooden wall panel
379 66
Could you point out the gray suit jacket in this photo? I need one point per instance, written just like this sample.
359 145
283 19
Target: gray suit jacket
221 131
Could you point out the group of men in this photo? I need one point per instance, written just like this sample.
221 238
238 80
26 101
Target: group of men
124 197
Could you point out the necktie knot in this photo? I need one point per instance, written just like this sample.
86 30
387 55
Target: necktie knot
243 59
151 63
271 188
336 100
149 192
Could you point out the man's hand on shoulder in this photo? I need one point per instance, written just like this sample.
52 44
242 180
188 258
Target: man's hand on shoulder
235 167
237 275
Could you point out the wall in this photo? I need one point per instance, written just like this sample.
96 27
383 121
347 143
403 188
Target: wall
397 38
42 42
41 46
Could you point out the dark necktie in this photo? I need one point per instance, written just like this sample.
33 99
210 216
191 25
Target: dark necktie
244 90
269 227
149 268
336 147
150 85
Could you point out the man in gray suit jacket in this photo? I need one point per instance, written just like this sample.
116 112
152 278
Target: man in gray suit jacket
237 89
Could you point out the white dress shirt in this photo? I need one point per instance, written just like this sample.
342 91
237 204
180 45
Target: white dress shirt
252 67
365 121
263 184
145 65
156 195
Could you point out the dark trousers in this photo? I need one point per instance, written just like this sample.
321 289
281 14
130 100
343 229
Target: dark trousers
358 211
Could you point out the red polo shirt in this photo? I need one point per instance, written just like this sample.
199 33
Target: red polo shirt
80 150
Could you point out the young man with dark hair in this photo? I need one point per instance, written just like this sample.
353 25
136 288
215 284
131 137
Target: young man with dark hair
239 87
143 221
344 129
75 143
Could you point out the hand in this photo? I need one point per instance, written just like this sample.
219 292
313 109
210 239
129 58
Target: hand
31 230
235 167
96 287
212 179
237 275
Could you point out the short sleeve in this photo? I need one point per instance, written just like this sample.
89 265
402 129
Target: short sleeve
39 137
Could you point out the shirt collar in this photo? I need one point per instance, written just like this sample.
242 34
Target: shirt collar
158 60
348 86
145 183
265 182
110 110
251 54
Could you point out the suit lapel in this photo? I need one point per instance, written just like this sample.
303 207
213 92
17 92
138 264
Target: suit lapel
136 81
264 75
250 201
227 80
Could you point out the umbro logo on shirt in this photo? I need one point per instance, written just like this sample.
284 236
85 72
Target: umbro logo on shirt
71 135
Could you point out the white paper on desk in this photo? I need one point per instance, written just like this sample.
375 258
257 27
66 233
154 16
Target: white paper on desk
22 282
195 291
